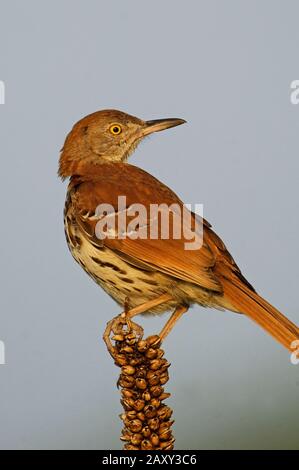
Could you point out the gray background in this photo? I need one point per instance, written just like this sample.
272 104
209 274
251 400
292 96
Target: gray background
226 67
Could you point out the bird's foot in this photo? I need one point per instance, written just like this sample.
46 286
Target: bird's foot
119 327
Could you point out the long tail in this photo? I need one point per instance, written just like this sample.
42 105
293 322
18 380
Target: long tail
245 300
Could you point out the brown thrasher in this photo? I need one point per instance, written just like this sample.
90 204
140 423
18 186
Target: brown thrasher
145 274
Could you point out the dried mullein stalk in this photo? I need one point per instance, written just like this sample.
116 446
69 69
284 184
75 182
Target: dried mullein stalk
144 372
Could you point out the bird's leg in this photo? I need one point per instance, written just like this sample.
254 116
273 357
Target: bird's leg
146 306
176 315
116 324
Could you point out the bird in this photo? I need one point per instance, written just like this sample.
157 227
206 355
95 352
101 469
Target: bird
147 275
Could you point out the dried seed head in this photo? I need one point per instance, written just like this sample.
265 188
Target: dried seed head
143 372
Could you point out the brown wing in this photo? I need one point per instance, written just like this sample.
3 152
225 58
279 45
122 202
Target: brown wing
166 255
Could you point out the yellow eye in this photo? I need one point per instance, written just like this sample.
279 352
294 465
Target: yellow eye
115 129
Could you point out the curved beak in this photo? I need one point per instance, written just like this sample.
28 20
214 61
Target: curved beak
160 124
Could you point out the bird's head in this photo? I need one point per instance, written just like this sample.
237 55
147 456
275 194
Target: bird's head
106 136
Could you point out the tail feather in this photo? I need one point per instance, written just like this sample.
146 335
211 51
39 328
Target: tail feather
245 300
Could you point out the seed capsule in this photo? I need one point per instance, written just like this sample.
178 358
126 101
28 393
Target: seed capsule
120 359
164 377
126 393
150 411
164 396
141 416
165 435
156 390
136 439
164 426
135 425
155 402
155 364
154 341
146 445
160 353
126 436
130 336
126 381
154 424
128 403
142 345
146 396
139 404
141 372
118 337
130 447
135 361
164 364
128 370
154 380
151 353
146 431
131 414
164 412
130 341
141 383
127 349
168 445
155 439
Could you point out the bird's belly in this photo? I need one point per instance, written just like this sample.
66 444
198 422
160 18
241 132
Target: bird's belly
121 280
